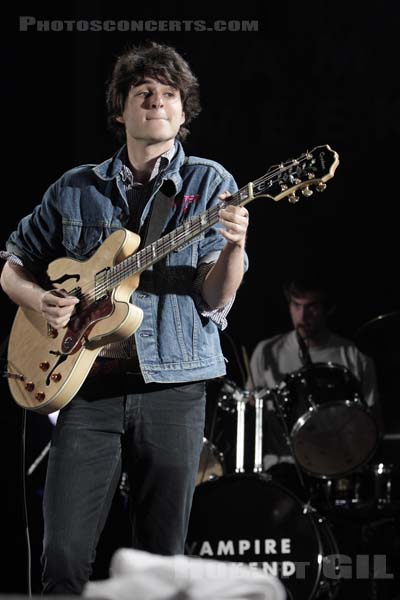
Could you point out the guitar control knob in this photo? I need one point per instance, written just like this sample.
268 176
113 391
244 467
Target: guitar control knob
29 386
293 198
307 192
321 186
40 396
44 365
56 376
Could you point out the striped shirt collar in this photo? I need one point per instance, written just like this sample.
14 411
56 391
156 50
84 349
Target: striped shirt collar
161 163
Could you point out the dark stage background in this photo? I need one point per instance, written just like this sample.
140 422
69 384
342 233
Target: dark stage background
313 73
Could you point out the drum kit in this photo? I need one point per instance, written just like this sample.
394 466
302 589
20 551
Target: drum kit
284 524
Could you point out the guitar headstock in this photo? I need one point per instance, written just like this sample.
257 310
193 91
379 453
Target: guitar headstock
307 172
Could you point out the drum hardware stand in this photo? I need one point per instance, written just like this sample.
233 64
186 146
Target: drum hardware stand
258 439
241 401
259 406
383 494
259 403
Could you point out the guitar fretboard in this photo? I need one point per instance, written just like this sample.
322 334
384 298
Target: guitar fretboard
190 229
280 181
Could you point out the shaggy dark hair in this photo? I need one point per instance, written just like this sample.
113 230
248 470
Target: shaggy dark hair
302 284
159 62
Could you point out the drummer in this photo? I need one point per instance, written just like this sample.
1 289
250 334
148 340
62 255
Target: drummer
310 341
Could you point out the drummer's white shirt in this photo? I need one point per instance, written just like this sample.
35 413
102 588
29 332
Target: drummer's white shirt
273 359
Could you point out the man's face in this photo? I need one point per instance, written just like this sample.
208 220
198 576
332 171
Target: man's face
308 314
153 112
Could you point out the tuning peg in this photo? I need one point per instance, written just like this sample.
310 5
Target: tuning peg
293 198
321 186
307 192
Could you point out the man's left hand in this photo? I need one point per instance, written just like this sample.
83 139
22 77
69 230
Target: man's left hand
234 220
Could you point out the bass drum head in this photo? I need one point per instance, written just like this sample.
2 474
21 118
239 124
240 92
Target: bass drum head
250 519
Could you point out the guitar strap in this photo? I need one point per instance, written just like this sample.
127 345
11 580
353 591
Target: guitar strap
161 205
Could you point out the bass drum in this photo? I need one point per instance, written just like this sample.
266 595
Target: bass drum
251 519
331 429
211 463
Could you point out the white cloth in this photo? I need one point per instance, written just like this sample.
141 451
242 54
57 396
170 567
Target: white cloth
137 575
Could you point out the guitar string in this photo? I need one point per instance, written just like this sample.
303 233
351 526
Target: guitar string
89 293
131 265
189 227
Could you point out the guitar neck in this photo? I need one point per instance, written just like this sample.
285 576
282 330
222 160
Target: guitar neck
190 229
281 181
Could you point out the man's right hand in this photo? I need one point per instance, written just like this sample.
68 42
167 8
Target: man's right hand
57 307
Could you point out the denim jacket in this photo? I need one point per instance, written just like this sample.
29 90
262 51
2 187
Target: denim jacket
174 343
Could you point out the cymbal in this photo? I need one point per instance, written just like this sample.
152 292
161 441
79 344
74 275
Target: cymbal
380 337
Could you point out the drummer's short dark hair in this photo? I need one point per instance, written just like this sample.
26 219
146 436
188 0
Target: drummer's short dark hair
305 284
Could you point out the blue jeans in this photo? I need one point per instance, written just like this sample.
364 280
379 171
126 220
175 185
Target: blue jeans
159 428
